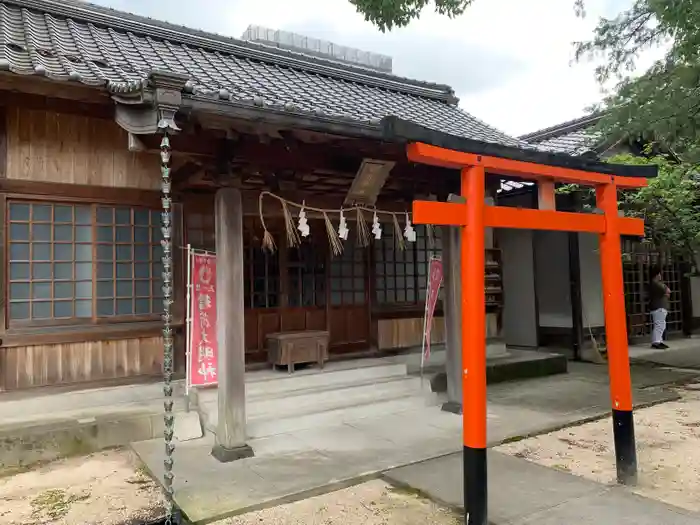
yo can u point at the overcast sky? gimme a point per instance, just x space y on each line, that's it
509 61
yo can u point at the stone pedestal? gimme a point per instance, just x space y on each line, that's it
496 348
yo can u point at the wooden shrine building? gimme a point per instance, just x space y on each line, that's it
85 94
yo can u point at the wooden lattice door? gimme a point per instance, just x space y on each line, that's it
638 262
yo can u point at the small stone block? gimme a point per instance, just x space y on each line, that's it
228 455
452 407
188 426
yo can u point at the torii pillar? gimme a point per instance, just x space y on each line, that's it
472 217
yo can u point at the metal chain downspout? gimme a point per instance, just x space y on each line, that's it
167 259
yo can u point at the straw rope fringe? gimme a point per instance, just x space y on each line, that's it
268 242
430 233
363 233
292 234
362 229
333 238
398 234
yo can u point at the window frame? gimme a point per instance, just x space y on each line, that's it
22 326
412 250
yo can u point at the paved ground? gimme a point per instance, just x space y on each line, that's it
296 465
521 492
683 353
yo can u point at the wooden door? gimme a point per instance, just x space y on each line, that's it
285 292
349 308
638 262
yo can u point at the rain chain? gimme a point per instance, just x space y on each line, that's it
169 418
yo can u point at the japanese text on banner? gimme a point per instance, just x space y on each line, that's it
203 354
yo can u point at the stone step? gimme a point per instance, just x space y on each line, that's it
264 427
327 398
281 384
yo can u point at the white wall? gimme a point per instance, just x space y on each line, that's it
539 262
519 306
591 280
695 295
552 279
519 309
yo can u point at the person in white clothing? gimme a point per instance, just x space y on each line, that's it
659 294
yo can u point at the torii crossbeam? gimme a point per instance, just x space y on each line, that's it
473 216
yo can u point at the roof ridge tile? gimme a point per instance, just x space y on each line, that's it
159 29
120 57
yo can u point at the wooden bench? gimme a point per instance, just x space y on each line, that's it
291 348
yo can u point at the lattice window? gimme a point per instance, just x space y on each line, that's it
262 280
348 276
261 269
402 276
129 269
199 231
306 270
65 266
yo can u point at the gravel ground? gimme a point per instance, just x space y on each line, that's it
668 450
107 488
110 488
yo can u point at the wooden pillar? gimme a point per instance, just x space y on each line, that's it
230 442
452 308
474 348
616 336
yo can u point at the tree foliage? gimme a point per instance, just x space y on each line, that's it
387 14
663 103
669 205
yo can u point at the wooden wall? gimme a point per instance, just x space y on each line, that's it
404 333
69 363
46 146
67 148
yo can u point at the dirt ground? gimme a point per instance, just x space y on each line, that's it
105 488
110 488
668 450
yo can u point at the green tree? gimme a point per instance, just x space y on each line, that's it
387 14
663 103
669 205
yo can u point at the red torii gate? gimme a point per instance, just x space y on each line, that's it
473 216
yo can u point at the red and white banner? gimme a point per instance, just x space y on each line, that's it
203 351
431 298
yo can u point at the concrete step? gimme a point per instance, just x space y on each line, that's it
315 400
264 427
280 384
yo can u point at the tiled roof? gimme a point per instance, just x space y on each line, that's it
574 137
72 41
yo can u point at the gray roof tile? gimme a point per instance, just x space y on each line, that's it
74 41
574 137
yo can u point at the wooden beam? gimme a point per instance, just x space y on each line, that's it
435 156
101 108
183 174
546 198
446 214
62 191
47 88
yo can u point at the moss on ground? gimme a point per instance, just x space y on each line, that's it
55 503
